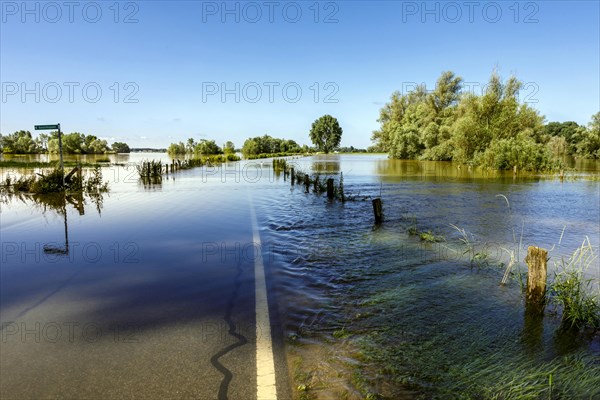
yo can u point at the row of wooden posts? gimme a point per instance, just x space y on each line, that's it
305 179
155 169
536 260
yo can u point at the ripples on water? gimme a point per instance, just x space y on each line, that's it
334 270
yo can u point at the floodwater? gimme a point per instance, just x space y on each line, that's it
151 270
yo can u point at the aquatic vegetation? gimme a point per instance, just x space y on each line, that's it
150 170
52 182
280 164
430 237
470 351
94 183
578 297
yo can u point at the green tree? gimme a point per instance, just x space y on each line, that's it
268 145
229 148
176 149
446 124
120 147
250 147
20 142
207 147
567 130
326 133
191 144
588 139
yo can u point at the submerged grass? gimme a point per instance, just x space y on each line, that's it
470 344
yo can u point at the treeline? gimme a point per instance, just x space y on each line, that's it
269 145
22 142
493 129
202 148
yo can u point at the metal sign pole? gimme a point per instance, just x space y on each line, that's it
62 166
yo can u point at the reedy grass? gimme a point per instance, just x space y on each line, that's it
578 297
52 182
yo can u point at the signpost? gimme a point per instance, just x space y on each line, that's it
55 127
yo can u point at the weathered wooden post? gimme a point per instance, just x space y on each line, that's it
536 260
79 172
330 189
307 182
292 175
378 210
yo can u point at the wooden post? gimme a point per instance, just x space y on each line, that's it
378 210
536 260
293 176
79 173
307 182
330 191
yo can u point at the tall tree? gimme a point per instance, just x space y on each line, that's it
229 147
326 133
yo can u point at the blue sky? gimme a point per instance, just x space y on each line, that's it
161 67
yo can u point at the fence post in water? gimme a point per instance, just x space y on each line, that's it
292 175
307 182
330 191
378 210
79 178
536 260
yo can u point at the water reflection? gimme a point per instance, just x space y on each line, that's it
57 203
397 170
327 164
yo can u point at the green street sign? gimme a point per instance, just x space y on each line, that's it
45 127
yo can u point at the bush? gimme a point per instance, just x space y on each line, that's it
50 183
521 151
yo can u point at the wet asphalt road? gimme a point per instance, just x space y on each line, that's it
177 322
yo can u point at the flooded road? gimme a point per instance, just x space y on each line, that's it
156 296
